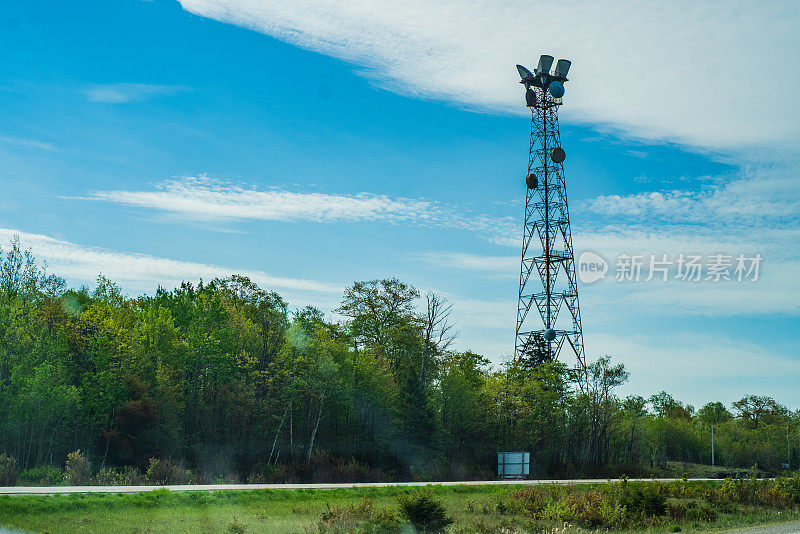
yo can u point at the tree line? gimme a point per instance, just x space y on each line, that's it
223 379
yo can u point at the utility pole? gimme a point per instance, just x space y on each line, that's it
712 444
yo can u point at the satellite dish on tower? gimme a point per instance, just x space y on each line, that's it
556 89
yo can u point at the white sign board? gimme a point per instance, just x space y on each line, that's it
513 464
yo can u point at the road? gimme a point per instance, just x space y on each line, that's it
780 528
52 490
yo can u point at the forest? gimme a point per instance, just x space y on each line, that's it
220 381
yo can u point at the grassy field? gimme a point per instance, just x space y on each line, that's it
621 507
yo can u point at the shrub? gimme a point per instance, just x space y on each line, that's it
166 472
532 500
107 477
590 509
792 485
644 499
78 470
702 513
9 471
616 505
423 511
781 493
690 511
362 518
44 475
234 527
777 494
131 476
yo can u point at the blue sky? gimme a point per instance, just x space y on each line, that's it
313 144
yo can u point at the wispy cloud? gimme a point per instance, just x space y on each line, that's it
210 200
123 93
493 266
755 195
141 271
201 198
682 70
32 143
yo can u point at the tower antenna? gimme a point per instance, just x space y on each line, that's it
547 282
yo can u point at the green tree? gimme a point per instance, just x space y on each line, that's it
602 379
759 409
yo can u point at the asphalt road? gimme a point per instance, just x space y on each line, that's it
51 490
780 528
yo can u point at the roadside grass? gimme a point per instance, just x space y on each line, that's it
620 506
162 511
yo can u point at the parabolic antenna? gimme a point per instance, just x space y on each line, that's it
549 334
532 181
556 89
524 73
558 155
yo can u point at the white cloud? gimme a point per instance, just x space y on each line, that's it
758 195
210 200
755 211
497 266
711 74
141 271
123 93
205 199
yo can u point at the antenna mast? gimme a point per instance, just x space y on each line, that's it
547 282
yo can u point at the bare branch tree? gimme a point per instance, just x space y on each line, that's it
439 333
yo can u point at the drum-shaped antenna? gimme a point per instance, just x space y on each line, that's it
562 67
545 62
530 98
532 181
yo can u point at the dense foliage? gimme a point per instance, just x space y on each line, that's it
220 380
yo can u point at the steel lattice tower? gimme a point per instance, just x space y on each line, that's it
547 281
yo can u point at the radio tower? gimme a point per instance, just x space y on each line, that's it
547 282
